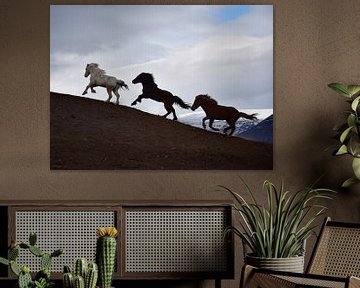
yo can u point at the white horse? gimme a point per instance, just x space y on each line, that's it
98 78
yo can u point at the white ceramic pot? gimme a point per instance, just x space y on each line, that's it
291 264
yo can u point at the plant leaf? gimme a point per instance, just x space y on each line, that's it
342 150
345 134
356 167
355 103
340 88
349 182
353 89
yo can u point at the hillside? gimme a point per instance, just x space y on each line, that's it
91 134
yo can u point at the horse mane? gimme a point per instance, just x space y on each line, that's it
208 98
149 77
97 70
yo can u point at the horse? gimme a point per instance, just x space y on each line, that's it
151 91
214 111
99 78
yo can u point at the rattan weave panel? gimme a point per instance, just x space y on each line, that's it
311 282
175 241
75 231
338 253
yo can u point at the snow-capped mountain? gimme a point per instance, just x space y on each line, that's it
242 125
262 132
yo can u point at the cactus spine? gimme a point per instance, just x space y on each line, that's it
106 254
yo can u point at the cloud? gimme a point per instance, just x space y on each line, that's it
190 49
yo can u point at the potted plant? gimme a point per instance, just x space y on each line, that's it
348 132
276 233
42 278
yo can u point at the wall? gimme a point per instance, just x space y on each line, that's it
316 42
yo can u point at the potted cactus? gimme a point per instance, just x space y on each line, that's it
42 278
84 275
106 254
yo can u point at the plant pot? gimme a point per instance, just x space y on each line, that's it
291 264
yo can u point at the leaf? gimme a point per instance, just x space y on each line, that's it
355 103
356 167
353 89
342 150
354 145
4 261
345 134
340 88
349 182
351 120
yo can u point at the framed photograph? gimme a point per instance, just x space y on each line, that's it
161 87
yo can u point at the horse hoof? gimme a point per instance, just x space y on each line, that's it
84 93
134 103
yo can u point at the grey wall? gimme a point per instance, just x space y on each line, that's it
316 42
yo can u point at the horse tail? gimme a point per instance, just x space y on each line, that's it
181 103
248 116
122 84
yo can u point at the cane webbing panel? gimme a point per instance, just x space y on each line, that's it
338 252
175 241
313 282
74 231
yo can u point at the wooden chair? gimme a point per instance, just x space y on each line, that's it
335 262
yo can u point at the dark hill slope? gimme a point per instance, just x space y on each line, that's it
90 134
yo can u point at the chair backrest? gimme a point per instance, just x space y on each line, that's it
337 251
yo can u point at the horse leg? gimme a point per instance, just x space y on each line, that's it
108 89
232 127
92 90
87 87
138 99
116 92
211 122
169 110
203 121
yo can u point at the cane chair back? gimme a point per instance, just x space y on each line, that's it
337 252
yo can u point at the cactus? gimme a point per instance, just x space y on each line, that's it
105 254
13 253
36 251
68 280
91 276
45 261
79 282
24 278
32 238
80 267
87 272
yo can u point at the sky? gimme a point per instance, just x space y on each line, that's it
225 51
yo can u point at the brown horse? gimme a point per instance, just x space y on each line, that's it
151 91
214 111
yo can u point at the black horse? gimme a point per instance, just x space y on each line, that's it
151 91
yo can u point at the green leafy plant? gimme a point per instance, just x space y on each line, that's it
42 278
279 229
348 133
